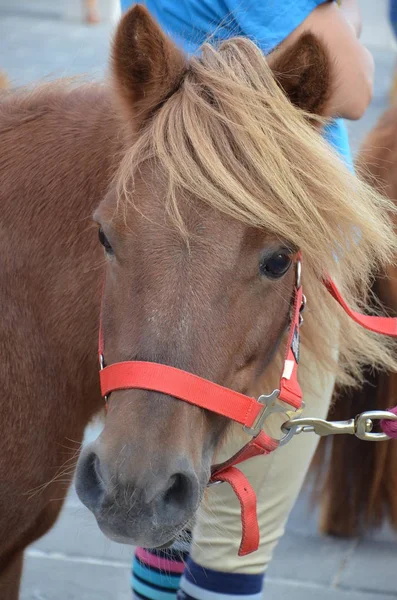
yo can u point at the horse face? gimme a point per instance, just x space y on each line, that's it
212 298
215 306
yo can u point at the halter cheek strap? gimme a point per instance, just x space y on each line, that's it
249 412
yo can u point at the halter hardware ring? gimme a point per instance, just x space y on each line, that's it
270 406
364 425
101 367
212 483
298 274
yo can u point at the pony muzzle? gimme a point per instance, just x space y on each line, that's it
141 505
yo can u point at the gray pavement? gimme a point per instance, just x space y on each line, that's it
74 561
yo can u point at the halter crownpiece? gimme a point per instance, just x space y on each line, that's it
247 411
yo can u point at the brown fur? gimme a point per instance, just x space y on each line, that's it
201 305
303 73
360 486
143 83
50 294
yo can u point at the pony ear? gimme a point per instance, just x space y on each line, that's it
147 67
303 72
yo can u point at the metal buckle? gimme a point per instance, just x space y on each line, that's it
270 406
101 367
212 483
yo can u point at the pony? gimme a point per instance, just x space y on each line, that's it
354 499
205 177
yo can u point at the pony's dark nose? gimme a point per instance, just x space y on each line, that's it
172 496
90 486
173 490
163 496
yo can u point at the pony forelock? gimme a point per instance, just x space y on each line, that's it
229 137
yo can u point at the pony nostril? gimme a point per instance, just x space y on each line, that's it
96 467
89 482
93 472
177 489
182 491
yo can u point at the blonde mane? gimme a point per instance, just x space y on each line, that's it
230 137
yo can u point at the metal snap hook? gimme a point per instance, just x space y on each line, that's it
364 425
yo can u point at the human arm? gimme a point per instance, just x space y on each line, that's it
352 13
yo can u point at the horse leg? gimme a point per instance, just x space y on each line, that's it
10 577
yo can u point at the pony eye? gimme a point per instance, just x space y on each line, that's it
104 241
276 265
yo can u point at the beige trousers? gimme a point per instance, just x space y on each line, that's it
277 480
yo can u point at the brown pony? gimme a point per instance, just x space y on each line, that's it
359 490
205 178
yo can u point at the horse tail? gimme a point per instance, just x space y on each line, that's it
359 487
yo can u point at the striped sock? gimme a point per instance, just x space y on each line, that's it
156 573
199 583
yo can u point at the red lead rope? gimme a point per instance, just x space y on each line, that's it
382 325
235 406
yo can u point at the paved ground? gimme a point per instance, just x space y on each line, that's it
75 562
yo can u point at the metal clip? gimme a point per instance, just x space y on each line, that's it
270 406
361 426
364 425
320 427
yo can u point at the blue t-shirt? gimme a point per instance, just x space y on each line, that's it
267 22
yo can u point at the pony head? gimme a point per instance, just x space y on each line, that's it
223 178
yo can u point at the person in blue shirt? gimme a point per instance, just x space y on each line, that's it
393 23
210 567
272 24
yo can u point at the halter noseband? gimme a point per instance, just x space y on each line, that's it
249 412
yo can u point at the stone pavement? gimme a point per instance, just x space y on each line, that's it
74 561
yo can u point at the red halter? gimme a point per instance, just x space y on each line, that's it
247 411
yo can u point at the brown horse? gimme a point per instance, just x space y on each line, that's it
360 486
205 178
